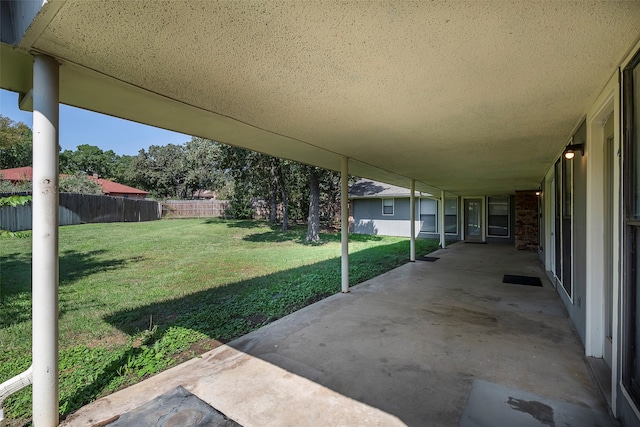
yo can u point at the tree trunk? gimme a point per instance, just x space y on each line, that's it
285 201
273 196
313 226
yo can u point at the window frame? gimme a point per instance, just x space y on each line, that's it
499 236
630 310
455 199
393 206
435 215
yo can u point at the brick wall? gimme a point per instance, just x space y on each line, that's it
527 233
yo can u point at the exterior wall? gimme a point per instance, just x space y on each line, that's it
368 219
587 305
579 234
575 304
526 231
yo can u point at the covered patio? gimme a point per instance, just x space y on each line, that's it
467 100
430 343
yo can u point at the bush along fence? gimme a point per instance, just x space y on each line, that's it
194 208
84 208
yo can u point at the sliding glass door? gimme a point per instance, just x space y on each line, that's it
631 278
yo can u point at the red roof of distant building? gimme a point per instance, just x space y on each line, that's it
18 174
108 187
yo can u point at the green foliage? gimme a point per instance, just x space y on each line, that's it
16 141
179 170
15 201
161 170
9 187
240 204
260 177
122 171
88 159
129 310
202 157
79 183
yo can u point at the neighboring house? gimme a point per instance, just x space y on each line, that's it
204 195
109 188
114 189
16 175
384 209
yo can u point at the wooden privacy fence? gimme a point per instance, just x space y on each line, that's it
84 208
194 208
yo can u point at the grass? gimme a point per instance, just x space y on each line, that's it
137 298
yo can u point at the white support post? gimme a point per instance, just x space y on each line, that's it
45 241
443 243
344 222
412 202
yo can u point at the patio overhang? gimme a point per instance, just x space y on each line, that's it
464 98
471 98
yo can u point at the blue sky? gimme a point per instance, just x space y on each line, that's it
84 127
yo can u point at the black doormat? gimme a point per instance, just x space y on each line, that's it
427 258
476 243
522 280
175 408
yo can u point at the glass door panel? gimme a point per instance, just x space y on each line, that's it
473 220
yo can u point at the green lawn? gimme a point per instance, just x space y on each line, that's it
136 298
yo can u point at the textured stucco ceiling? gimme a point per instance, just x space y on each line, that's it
470 97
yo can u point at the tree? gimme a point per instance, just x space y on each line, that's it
259 177
203 172
179 170
283 192
122 171
79 183
16 144
313 224
253 175
90 160
161 170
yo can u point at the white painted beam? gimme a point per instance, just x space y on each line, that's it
45 241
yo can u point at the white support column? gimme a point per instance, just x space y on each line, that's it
443 243
412 203
45 241
344 222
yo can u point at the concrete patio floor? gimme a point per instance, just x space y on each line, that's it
429 343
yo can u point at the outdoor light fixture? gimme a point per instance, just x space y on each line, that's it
570 150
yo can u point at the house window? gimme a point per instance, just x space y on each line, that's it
428 215
498 221
631 276
451 215
387 206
